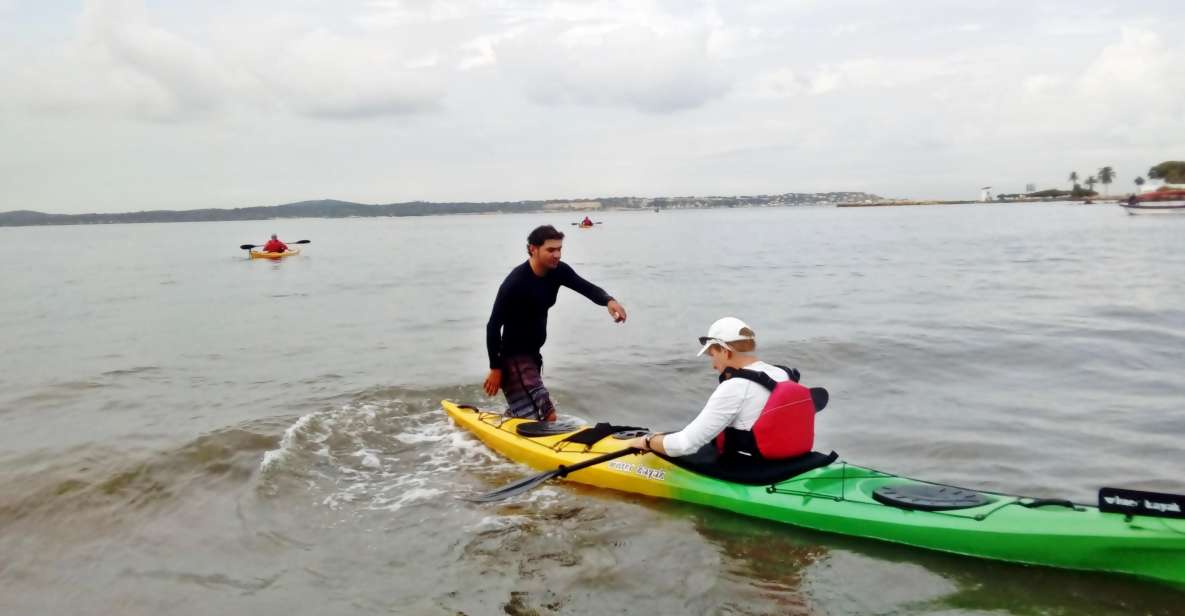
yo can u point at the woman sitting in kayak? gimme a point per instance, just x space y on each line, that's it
758 411
275 245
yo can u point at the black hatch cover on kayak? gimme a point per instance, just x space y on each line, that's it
929 497
563 425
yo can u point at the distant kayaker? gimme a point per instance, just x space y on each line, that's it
749 390
587 222
517 327
275 245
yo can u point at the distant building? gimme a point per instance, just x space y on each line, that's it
986 195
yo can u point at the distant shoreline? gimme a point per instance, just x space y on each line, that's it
1078 201
332 208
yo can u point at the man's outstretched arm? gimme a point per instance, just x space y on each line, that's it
596 294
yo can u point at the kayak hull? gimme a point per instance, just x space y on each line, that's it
274 256
838 498
1177 207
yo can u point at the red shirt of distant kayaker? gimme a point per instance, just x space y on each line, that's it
275 245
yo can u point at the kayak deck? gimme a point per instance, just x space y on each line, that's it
256 254
839 498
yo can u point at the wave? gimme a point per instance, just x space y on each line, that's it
106 485
383 450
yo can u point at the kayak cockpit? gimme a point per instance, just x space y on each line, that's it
764 473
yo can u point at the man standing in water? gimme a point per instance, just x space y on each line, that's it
517 327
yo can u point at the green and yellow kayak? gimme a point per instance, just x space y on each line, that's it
831 495
258 254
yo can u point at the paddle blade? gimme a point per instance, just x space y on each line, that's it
247 246
303 242
820 397
512 489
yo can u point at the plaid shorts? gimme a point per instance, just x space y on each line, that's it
522 382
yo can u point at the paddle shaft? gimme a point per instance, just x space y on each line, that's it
565 470
529 483
250 246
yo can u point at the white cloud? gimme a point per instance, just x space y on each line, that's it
394 13
824 81
743 97
1040 85
324 74
1130 89
121 60
1140 60
775 84
651 69
480 52
859 74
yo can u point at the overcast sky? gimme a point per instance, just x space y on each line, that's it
116 105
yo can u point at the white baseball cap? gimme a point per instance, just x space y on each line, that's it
723 331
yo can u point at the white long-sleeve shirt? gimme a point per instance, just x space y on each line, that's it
736 403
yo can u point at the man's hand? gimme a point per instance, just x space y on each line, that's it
616 311
493 381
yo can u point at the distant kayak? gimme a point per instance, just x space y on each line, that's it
275 256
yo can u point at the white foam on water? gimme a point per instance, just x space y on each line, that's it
414 495
383 456
289 442
492 523
369 459
412 438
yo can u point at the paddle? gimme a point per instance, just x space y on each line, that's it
250 246
524 485
580 224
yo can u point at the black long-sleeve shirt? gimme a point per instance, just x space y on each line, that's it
518 322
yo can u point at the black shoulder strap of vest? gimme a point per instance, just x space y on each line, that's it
756 376
794 374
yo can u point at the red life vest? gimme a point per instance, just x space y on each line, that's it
274 246
786 427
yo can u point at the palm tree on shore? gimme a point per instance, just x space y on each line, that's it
1090 182
1073 179
1106 176
1139 181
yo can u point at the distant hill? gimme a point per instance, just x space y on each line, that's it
332 208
